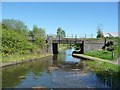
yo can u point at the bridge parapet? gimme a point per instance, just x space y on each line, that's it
77 40
67 40
94 41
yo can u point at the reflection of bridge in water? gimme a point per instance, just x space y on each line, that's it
87 44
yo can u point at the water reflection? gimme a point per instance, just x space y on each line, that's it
11 74
57 71
110 80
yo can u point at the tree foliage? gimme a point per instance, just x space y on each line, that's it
15 37
13 42
39 35
60 33
99 32
11 24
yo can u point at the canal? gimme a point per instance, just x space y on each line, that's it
58 71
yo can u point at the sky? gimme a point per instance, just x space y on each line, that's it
73 17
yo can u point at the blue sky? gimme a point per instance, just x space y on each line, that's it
74 18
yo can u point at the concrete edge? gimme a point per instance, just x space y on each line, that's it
93 58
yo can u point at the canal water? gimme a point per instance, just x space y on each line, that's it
58 71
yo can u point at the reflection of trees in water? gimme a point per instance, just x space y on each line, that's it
61 56
112 80
10 75
52 64
55 61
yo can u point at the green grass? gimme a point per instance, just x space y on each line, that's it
104 54
22 57
99 66
101 54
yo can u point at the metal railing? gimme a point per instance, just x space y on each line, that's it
58 37
78 36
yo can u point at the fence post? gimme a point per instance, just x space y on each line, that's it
112 54
75 38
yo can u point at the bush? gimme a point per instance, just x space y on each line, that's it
14 42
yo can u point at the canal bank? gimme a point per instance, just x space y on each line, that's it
12 60
24 59
99 65
94 58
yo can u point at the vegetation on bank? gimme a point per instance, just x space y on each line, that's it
107 73
101 54
105 54
23 57
99 66
16 39
20 43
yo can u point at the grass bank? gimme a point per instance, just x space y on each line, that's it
107 73
19 58
103 54
99 66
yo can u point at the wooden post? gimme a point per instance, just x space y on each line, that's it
112 54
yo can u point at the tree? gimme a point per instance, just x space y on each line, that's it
15 37
63 33
11 24
60 33
39 35
38 32
99 32
14 42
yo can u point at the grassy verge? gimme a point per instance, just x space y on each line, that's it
100 54
23 57
103 54
107 73
98 67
